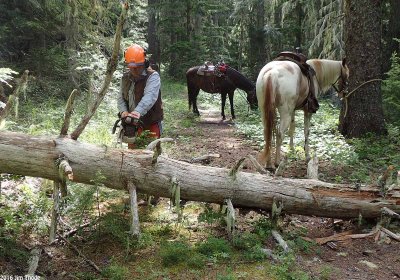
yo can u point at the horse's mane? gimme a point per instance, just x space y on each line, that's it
239 80
327 71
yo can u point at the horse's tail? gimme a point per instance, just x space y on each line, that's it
269 111
266 102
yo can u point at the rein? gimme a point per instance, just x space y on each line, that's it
242 95
334 83
345 97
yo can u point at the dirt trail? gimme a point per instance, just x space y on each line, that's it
212 135
352 259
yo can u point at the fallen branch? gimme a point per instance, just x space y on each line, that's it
91 263
387 211
342 236
34 260
111 67
281 241
281 167
391 234
205 158
73 231
257 165
312 168
269 254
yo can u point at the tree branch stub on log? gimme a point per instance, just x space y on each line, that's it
69 108
111 67
135 226
154 144
230 218
55 211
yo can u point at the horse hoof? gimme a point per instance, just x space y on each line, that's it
270 169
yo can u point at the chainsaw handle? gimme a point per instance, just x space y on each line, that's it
115 126
130 120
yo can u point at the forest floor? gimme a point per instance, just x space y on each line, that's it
365 258
373 257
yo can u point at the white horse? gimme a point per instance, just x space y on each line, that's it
282 86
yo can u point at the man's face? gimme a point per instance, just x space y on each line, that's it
136 71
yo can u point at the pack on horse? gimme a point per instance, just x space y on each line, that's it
218 79
292 83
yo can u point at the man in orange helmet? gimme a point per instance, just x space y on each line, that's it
140 95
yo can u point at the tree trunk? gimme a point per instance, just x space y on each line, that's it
117 168
152 38
70 31
257 39
363 32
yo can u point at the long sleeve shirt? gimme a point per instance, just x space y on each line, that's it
149 98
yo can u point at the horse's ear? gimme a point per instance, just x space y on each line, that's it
344 62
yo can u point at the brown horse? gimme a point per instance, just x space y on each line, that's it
224 82
282 87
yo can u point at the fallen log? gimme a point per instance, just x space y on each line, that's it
35 156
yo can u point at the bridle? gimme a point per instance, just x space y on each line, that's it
343 85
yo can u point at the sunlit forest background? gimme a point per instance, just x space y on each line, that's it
65 45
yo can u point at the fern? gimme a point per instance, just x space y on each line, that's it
6 75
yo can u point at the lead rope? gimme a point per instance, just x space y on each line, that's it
242 95
345 97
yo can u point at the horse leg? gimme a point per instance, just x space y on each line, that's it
264 157
280 134
291 132
223 100
195 94
231 103
307 120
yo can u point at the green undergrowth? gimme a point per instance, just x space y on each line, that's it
167 248
363 159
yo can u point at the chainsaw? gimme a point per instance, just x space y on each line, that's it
128 128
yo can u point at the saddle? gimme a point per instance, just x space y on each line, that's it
310 104
209 69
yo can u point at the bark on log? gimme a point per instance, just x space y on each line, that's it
34 156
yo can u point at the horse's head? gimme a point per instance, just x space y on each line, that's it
343 80
252 98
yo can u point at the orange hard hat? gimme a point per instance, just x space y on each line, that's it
135 56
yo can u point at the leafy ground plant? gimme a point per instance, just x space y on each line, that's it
202 242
